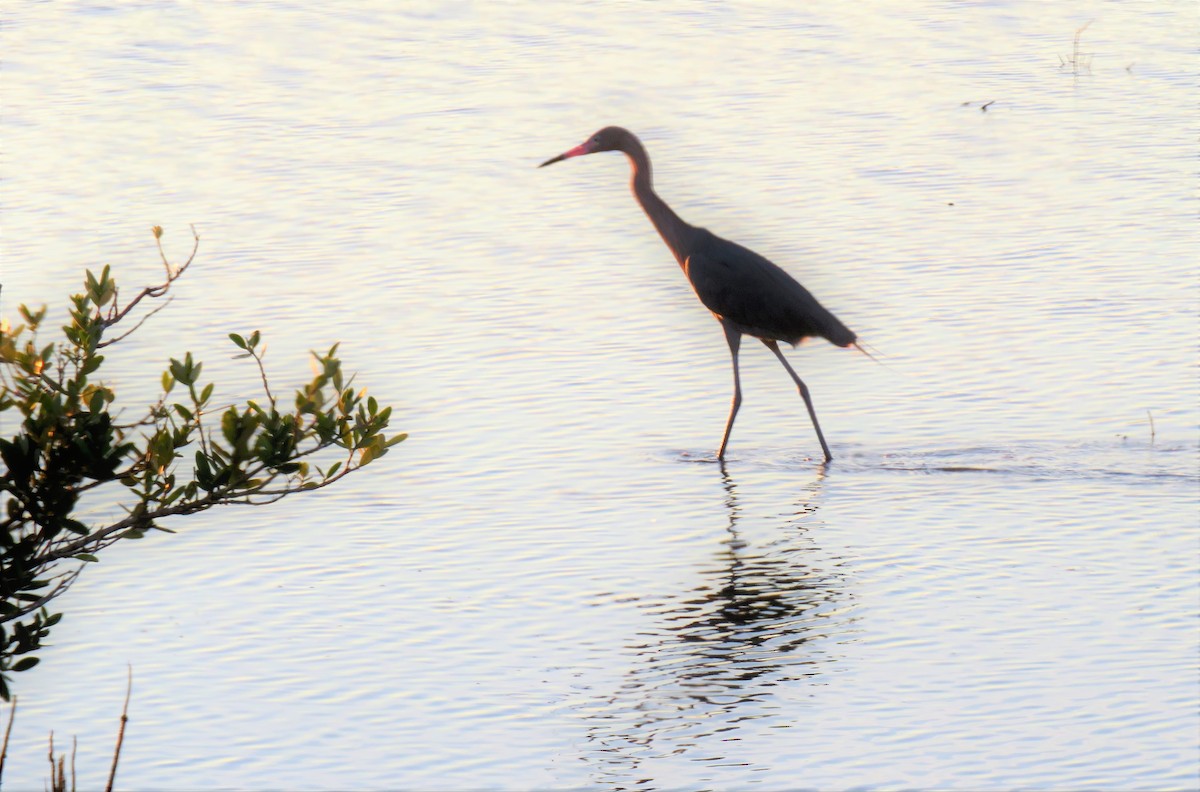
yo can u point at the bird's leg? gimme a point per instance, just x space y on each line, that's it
774 347
734 337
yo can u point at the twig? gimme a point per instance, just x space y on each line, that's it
112 774
79 545
115 315
74 746
51 755
263 372
1078 34
12 714
63 584
133 329
983 108
1076 61
1151 417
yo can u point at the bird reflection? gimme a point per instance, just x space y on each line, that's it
758 623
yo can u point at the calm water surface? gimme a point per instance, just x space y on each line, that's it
551 584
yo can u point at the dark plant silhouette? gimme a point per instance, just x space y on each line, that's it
70 440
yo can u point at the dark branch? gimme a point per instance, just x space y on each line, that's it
155 291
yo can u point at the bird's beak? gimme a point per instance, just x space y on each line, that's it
579 150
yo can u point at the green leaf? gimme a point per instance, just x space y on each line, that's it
254 338
204 476
237 339
168 382
25 664
30 317
184 412
91 364
229 426
206 393
333 469
86 557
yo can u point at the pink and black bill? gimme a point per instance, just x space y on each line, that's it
578 151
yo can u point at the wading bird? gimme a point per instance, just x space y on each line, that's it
746 293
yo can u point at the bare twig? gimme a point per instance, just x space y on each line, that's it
12 714
63 584
116 315
51 756
133 329
112 774
1078 34
262 371
1151 417
1077 59
983 108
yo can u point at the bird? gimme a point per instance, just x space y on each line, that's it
747 294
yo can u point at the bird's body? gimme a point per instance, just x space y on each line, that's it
747 293
761 299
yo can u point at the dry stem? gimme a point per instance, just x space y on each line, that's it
12 714
112 774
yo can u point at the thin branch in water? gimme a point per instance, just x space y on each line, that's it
112 774
1077 60
1078 34
51 756
12 714
1151 417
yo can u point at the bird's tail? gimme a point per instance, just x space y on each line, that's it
859 346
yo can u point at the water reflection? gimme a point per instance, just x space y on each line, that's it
763 614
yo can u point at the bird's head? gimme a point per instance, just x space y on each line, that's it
610 138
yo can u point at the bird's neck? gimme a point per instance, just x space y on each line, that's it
670 227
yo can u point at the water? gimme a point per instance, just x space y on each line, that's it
551 585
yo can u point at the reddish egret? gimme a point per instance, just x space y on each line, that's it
746 293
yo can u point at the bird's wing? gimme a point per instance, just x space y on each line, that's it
738 284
